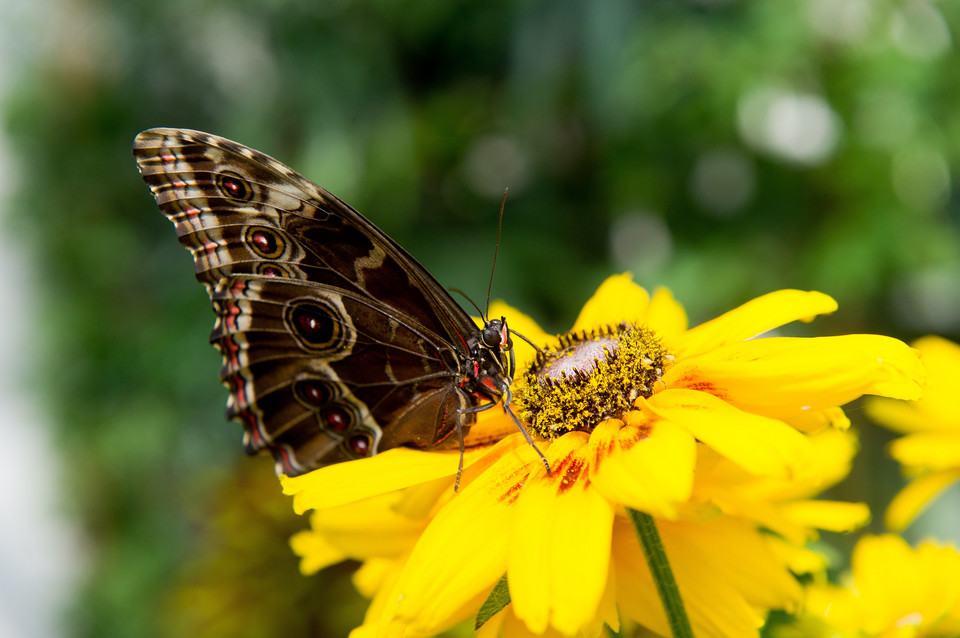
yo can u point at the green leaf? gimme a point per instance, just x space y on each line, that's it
497 600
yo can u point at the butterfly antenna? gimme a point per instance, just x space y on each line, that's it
482 314
532 344
496 251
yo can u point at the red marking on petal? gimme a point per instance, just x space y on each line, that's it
692 381
513 492
570 471
620 443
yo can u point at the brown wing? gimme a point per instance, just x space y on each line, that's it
336 342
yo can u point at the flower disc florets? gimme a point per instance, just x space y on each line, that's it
589 377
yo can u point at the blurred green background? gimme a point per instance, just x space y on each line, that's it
722 148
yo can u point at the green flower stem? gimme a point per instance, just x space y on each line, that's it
649 537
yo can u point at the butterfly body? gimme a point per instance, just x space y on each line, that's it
336 343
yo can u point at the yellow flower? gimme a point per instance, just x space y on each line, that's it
893 591
710 398
929 451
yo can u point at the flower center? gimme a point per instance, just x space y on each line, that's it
589 377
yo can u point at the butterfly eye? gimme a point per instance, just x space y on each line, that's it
264 242
492 334
234 187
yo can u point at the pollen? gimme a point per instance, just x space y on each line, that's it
588 377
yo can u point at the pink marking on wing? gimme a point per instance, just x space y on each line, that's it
230 313
230 351
238 387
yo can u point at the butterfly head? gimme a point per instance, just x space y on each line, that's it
495 339
489 367
495 334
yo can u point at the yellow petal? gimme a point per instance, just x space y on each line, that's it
800 560
725 570
834 516
368 528
351 481
558 559
618 299
463 551
928 450
747 565
315 551
513 627
666 317
899 416
807 419
374 579
607 613
374 574
756 443
651 473
816 373
884 570
916 496
942 360
753 318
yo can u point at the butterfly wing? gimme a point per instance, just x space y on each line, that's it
336 342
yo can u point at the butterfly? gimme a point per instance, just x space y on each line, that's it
336 343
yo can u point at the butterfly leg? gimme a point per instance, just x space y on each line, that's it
507 398
456 484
